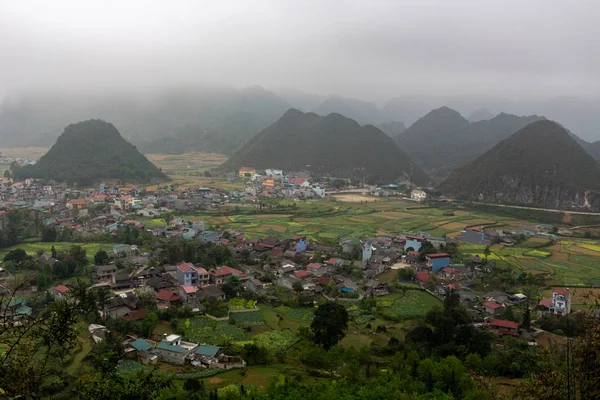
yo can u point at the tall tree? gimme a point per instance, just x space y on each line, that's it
329 324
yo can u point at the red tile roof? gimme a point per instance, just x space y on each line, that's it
201 271
413 253
333 261
492 305
314 265
189 289
225 270
501 323
545 303
437 255
422 277
301 274
185 267
561 291
415 237
449 270
167 295
61 289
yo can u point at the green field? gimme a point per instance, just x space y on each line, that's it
33 247
413 304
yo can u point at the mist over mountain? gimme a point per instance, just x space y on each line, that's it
480 114
540 165
332 145
359 110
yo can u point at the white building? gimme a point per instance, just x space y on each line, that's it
418 195
561 301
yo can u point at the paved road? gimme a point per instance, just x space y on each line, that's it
538 209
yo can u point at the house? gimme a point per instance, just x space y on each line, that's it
254 285
219 275
422 278
210 357
197 224
203 276
437 261
167 297
473 236
302 274
448 272
105 274
174 350
208 237
246 172
187 274
211 291
77 204
122 281
367 250
143 350
124 250
418 195
503 327
98 332
413 242
188 294
59 292
299 243
493 308
561 301
334 262
413 257
13 309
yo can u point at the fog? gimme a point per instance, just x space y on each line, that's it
366 49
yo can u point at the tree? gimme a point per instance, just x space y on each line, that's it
486 253
148 324
49 234
232 286
509 314
297 287
329 324
101 257
526 324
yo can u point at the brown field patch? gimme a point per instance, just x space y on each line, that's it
215 381
381 232
454 226
585 295
440 223
221 220
581 250
267 216
355 198
453 234
477 222
461 212
547 339
277 228
496 246
567 218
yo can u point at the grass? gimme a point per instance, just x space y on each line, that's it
252 318
86 348
415 304
33 247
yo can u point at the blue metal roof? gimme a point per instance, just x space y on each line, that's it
169 347
207 350
141 345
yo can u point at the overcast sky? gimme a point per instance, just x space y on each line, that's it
370 49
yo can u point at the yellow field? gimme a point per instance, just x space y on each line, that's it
354 198
592 247
24 152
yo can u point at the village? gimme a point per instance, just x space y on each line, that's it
348 271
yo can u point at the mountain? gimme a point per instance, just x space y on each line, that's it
333 145
480 114
392 128
541 165
443 139
90 151
358 110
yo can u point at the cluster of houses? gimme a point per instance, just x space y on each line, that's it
273 183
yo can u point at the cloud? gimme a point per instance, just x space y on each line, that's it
372 49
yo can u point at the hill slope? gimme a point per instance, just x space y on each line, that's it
540 165
330 145
443 140
90 151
